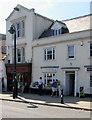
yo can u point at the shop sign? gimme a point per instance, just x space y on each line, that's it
89 69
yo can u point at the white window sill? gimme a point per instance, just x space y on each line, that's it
49 60
71 59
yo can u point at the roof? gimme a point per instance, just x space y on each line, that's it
79 23
20 6
77 17
50 32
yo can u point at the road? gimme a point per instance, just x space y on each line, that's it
24 110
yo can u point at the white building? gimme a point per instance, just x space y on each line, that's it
66 57
29 26
51 49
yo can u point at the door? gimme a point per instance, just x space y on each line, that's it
9 81
70 81
71 84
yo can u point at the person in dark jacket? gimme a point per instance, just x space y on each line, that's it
40 86
54 87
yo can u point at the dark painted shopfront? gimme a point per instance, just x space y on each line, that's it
23 73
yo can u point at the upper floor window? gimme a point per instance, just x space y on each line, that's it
71 51
3 49
90 49
20 30
20 55
57 32
49 54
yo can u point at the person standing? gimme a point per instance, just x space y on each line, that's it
40 86
54 87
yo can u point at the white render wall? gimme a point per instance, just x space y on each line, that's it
40 25
16 16
34 26
81 59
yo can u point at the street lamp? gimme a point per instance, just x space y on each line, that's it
12 30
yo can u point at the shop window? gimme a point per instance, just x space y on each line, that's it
49 78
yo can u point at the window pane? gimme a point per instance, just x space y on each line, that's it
49 54
53 53
91 49
18 30
45 54
90 80
49 78
18 55
23 54
71 51
23 29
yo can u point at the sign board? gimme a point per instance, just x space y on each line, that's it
89 69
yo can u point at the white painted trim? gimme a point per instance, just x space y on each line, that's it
75 81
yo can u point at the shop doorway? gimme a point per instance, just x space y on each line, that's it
70 83
9 81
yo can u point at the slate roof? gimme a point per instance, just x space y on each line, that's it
50 32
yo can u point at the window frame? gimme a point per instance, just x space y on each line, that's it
20 29
68 56
22 55
90 81
57 32
52 54
90 50
51 76
3 49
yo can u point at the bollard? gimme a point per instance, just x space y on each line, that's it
62 101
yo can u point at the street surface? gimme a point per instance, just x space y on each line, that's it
24 110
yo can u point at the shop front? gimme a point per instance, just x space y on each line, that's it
23 73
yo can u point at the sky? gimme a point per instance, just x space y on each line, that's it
53 9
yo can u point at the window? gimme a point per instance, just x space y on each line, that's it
20 31
90 49
23 29
20 55
49 54
57 32
3 49
90 80
49 78
71 51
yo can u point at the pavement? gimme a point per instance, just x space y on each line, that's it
69 102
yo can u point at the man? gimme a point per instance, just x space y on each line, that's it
54 87
40 85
